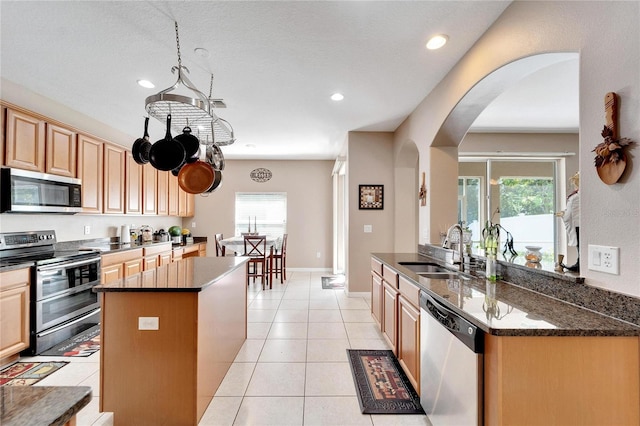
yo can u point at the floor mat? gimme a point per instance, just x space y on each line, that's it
28 373
382 386
336 281
83 344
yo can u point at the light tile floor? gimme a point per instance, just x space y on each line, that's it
293 368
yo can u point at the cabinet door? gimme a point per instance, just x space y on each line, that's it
111 273
150 262
164 258
25 141
61 146
90 154
376 298
182 202
390 315
409 340
191 205
163 193
14 312
113 179
174 195
132 267
149 278
149 189
133 179
202 250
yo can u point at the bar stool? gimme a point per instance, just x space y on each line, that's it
255 247
280 260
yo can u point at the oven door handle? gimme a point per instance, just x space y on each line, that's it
69 265
66 324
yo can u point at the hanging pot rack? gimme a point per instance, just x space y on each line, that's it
190 111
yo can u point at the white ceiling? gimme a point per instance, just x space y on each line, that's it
275 64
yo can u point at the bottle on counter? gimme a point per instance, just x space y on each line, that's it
491 270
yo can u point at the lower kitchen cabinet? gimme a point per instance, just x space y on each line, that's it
562 380
14 312
409 340
390 315
376 298
115 266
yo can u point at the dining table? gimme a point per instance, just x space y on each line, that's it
236 244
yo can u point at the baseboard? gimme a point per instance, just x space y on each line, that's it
323 270
364 294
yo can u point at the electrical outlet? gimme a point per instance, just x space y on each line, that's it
368 228
193 224
318 255
148 323
87 229
604 259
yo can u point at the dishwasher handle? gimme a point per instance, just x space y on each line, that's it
465 331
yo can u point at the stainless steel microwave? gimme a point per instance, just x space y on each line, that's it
24 191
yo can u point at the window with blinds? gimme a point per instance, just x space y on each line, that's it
264 212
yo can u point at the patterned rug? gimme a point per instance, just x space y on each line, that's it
28 373
382 386
83 344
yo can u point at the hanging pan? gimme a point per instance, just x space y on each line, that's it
196 177
141 146
166 154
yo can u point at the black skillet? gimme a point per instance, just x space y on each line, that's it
167 154
190 143
141 146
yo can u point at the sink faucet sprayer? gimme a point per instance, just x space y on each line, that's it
447 244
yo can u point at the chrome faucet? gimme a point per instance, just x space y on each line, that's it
447 244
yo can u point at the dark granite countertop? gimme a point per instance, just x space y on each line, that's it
200 272
41 405
505 309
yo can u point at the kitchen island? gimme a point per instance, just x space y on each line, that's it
168 339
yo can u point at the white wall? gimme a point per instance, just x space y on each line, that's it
607 37
308 185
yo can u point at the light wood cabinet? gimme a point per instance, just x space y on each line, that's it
409 340
156 255
186 203
561 380
163 193
133 179
119 265
390 315
25 141
90 170
114 179
376 298
202 250
174 195
3 120
14 312
61 147
191 251
149 190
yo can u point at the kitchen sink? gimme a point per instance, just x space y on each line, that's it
442 275
423 267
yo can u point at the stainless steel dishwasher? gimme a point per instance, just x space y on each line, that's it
451 364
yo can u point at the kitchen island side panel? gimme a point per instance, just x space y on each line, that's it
148 377
222 330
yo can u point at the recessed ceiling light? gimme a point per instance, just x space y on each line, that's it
201 52
437 41
146 84
337 97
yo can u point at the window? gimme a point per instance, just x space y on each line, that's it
469 208
264 211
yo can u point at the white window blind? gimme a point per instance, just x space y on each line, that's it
266 211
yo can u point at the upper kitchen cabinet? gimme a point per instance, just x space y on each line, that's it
186 203
90 170
31 143
60 158
113 179
24 141
163 193
150 187
174 190
133 179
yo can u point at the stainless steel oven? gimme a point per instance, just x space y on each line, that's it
62 301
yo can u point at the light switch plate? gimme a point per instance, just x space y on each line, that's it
148 323
368 228
604 259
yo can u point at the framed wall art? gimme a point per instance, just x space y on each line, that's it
371 197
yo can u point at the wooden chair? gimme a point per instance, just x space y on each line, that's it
279 259
220 249
255 247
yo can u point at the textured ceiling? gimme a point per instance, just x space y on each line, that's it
275 64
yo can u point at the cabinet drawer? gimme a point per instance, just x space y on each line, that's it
409 290
156 249
376 266
15 278
120 257
390 276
